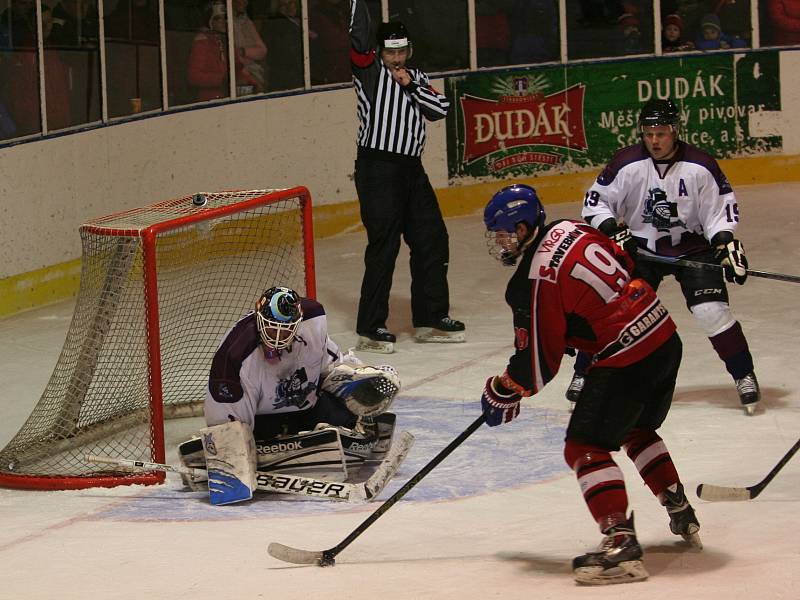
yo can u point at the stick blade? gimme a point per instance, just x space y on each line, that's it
294 555
720 493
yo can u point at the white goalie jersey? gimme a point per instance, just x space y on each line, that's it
673 208
243 383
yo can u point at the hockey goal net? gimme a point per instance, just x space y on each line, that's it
160 286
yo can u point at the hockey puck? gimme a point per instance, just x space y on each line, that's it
199 199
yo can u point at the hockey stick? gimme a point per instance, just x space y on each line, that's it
681 262
285 483
721 493
327 558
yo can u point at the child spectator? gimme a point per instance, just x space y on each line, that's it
672 39
712 38
631 42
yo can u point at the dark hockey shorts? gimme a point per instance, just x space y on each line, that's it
328 409
698 285
615 401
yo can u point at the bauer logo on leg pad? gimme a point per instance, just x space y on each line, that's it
309 487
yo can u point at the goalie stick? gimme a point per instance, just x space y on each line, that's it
327 558
286 483
681 262
721 493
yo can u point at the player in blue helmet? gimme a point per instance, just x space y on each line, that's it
573 287
514 204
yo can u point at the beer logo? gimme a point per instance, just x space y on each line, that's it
522 115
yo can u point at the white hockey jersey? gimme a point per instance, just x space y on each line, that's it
243 383
672 214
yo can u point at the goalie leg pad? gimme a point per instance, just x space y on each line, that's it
191 455
315 453
230 454
366 391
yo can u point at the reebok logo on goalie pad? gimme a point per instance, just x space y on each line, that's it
358 447
279 447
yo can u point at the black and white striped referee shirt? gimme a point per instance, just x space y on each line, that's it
391 117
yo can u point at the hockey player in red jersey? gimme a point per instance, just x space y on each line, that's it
573 289
665 197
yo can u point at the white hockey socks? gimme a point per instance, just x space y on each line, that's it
231 462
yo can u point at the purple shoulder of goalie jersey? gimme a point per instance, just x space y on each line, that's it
224 382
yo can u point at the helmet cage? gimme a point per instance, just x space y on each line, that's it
278 315
512 205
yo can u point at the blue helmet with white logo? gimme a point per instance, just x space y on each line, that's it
278 314
513 204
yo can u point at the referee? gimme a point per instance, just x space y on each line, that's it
395 196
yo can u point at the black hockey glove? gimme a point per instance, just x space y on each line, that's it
499 406
734 262
622 237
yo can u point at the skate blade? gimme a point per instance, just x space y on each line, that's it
750 409
571 406
625 572
431 335
368 345
693 540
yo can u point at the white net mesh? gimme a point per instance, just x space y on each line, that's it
210 262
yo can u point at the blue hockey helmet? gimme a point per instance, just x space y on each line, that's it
513 204
278 314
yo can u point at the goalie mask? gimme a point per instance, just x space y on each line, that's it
278 314
510 206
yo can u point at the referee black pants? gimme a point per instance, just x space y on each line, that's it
396 200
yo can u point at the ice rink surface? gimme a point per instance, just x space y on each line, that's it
502 517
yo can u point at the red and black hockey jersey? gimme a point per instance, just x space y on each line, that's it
573 289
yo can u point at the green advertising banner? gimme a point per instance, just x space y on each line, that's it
570 118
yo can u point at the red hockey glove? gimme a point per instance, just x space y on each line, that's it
499 407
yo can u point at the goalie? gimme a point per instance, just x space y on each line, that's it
282 397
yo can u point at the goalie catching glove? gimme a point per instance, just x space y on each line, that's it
500 405
366 391
734 262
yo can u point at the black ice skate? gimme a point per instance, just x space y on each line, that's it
574 389
617 560
749 392
682 520
379 340
443 331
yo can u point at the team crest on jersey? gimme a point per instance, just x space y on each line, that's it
294 390
659 211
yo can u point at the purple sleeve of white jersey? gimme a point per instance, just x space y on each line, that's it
604 198
601 201
717 206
